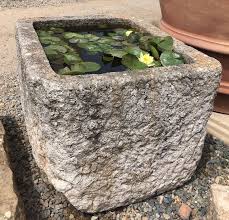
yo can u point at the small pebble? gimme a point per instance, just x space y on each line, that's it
8 214
185 211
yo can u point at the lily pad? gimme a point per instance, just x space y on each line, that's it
58 48
116 52
105 41
57 30
155 40
118 38
166 44
51 54
134 50
74 40
69 35
169 58
43 34
49 40
85 67
71 58
120 31
132 62
64 71
133 37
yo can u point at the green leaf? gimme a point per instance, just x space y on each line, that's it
154 52
42 33
166 44
64 71
155 40
69 35
117 44
105 40
91 37
83 41
93 48
52 54
132 62
108 58
157 63
73 40
169 58
133 37
85 67
49 40
116 52
57 30
135 50
120 31
71 58
118 38
82 45
58 48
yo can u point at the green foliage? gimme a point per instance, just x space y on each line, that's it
169 58
133 63
133 49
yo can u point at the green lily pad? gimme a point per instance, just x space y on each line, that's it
155 40
166 44
58 48
117 44
116 52
57 30
169 58
118 38
132 62
49 40
69 35
64 71
51 54
85 67
120 31
105 40
134 50
154 52
71 58
81 40
42 33
93 48
91 37
73 40
133 37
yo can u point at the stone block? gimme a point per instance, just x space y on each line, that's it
113 139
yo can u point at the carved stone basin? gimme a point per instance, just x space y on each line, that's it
113 139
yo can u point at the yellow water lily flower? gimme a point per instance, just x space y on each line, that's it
128 33
146 59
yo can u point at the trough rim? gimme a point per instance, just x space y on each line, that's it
33 57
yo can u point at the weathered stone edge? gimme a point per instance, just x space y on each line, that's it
30 49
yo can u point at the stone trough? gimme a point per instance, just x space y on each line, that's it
113 139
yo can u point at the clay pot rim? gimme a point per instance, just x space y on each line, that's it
197 40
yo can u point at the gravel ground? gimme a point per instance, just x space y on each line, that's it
40 199
32 3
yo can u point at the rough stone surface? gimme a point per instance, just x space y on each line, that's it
104 140
219 207
33 3
8 198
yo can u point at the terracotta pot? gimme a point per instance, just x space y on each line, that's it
203 24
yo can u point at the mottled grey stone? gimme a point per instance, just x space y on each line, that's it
112 139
